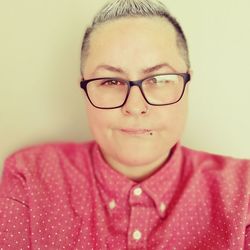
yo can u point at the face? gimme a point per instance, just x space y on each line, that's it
138 133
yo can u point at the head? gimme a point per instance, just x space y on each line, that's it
133 40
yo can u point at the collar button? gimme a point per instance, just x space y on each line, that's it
137 191
163 207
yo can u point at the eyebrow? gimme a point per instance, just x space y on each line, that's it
144 71
157 67
109 68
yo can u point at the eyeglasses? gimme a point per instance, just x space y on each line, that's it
157 90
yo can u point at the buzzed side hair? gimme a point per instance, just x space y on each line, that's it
117 9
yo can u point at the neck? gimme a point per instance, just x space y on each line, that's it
137 173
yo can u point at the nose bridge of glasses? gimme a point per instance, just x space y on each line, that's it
132 98
138 84
135 83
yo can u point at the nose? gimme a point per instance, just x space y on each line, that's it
135 104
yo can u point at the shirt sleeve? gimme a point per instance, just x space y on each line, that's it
14 208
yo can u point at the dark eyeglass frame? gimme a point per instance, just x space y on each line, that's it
83 84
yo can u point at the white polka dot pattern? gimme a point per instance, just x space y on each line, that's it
65 196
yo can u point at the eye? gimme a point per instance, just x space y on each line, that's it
162 80
152 80
112 82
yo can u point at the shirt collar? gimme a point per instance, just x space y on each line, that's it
116 185
160 186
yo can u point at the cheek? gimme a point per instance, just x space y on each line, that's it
100 121
173 118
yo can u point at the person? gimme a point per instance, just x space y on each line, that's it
134 186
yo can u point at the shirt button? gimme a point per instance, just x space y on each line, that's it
163 207
112 204
137 191
137 235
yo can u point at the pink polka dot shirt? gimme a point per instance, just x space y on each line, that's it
65 196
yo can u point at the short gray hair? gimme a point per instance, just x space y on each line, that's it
117 9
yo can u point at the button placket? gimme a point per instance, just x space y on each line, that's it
138 227
138 222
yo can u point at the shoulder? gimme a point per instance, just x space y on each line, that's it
42 156
221 175
48 172
212 160
221 168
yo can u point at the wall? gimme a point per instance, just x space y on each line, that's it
40 99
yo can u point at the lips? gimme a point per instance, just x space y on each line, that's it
133 131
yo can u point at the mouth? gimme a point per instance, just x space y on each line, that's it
136 132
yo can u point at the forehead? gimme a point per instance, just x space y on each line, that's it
139 41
